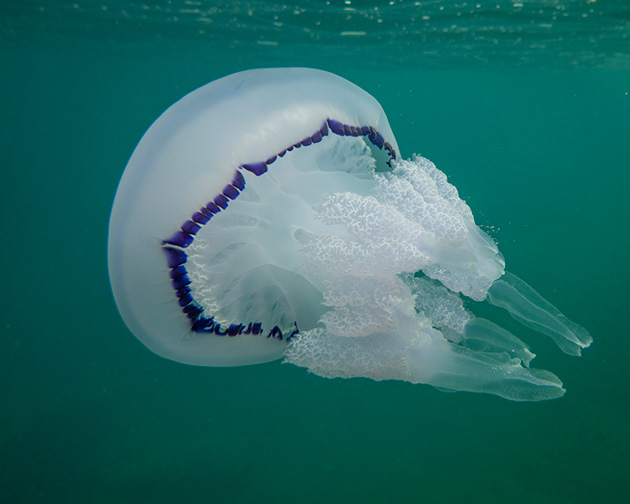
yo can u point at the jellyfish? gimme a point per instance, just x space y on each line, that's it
270 215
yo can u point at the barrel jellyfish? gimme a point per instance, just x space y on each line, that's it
270 215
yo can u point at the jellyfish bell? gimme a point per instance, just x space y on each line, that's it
190 243
269 215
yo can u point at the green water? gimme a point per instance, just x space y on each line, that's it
534 134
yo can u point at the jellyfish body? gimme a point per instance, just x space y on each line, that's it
268 215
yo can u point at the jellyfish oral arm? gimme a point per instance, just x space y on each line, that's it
532 310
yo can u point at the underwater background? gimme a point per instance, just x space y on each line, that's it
524 105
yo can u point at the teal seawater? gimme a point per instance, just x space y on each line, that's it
537 147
